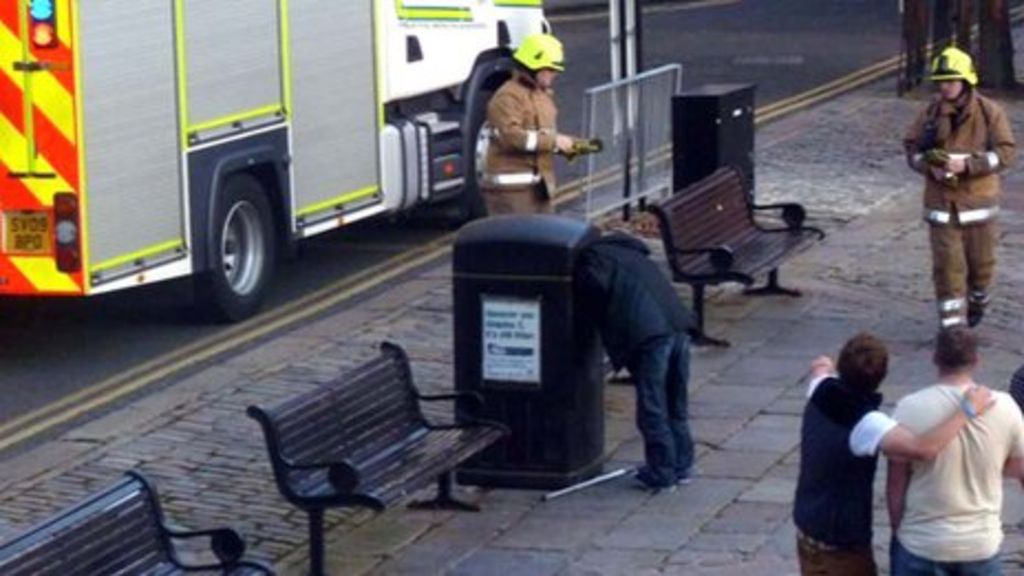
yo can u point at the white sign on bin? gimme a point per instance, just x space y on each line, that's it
511 339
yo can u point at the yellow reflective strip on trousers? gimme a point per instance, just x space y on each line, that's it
48 95
43 274
11 141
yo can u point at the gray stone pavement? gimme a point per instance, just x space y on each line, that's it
842 159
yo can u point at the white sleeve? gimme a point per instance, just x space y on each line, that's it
868 433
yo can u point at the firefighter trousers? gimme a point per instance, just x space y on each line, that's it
963 266
519 200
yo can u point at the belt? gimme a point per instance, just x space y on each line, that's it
519 179
815 544
965 217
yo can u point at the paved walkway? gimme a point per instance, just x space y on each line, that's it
842 159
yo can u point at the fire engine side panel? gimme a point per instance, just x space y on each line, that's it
334 99
232 60
130 130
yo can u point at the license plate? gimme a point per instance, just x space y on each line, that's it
27 233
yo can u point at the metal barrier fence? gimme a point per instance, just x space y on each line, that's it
633 117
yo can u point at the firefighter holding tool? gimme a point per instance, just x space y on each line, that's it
960 143
519 175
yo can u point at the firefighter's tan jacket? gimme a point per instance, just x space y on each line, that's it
980 130
522 118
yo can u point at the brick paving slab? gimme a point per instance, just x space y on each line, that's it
767 433
735 464
565 533
617 562
649 531
512 563
771 490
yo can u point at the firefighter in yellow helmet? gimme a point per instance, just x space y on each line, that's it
518 175
959 143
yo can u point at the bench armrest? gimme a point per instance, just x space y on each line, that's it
793 214
225 543
463 394
469 422
463 419
341 473
721 257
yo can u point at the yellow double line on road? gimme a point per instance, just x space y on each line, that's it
825 91
308 307
112 389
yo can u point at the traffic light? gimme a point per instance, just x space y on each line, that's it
43 15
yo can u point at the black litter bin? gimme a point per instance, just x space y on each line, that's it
521 344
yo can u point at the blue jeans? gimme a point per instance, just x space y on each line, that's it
906 563
661 372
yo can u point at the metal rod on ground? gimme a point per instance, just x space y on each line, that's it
588 483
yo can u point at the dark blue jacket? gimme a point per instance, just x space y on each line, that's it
833 495
627 296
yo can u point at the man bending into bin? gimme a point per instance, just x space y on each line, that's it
644 327
841 435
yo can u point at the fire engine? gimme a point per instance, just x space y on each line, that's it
146 140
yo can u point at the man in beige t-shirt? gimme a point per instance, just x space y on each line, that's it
945 513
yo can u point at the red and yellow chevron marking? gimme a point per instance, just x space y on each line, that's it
39 134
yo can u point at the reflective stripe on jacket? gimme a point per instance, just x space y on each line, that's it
522 118
980 130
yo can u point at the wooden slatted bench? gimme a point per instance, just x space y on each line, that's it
362 440
711 237
119 530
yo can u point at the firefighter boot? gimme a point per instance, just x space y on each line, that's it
976 307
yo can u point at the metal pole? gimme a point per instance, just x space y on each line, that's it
615 37
627 46
638 34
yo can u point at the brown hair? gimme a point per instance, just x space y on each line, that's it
956 349
863 362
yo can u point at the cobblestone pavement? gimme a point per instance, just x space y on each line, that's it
842 159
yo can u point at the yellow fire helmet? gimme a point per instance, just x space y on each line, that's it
540 51
954 64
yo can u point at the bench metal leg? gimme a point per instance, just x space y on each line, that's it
316 543
702 338
444 499
772 288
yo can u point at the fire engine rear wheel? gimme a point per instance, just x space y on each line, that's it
475 147
243 252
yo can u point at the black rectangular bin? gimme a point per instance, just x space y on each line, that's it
713 127
520 343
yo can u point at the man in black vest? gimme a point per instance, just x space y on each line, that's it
644 327
842 433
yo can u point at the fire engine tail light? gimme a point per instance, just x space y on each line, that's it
65 219
44 23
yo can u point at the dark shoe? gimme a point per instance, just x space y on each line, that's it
686 477
649 481
976 308
974 315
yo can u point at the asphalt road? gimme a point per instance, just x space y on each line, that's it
50 348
